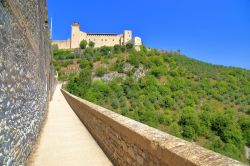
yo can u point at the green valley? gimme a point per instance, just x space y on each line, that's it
200 102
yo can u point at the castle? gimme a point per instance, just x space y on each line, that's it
100 39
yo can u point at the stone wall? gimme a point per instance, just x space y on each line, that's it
26 78
62 44
105 40
127 142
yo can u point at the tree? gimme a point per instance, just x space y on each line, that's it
84 63
226 127
117 49
190 122
83 44
105 50
158 71
119 66
245 127
91 44
187 98
123 48
129 46
189 132
72 86
84 81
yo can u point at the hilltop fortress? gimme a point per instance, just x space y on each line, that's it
100 39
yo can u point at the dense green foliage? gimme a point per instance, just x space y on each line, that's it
200 102
62 59
83 44
91 44
101 71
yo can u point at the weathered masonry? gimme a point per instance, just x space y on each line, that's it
26 77
127 142
100 39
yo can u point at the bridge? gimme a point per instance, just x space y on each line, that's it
77 132
64 140
40 124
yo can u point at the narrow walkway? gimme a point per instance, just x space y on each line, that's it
64 140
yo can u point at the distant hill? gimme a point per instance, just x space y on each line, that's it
193 100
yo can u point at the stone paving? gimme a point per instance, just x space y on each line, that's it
64 140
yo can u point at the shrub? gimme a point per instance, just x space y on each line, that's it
85 63
83 44
101 71
62 54
123 48
117 49
157 60
245 127
133 60
190 118
165 119
91 44
129 46
105 50
55 47
175 129
84 81
114 103
96 56
166 102
72 85
225 126
119 66
188 132
158 71
102 88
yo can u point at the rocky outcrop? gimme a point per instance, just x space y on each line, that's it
26 77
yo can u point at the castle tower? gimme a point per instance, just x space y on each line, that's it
127 35
75 35
137 43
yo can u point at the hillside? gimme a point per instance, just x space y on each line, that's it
193 100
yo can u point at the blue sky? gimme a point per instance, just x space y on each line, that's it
214 31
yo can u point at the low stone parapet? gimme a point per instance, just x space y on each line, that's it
128 142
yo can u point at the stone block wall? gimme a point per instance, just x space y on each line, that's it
26 77
62 44
127 142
